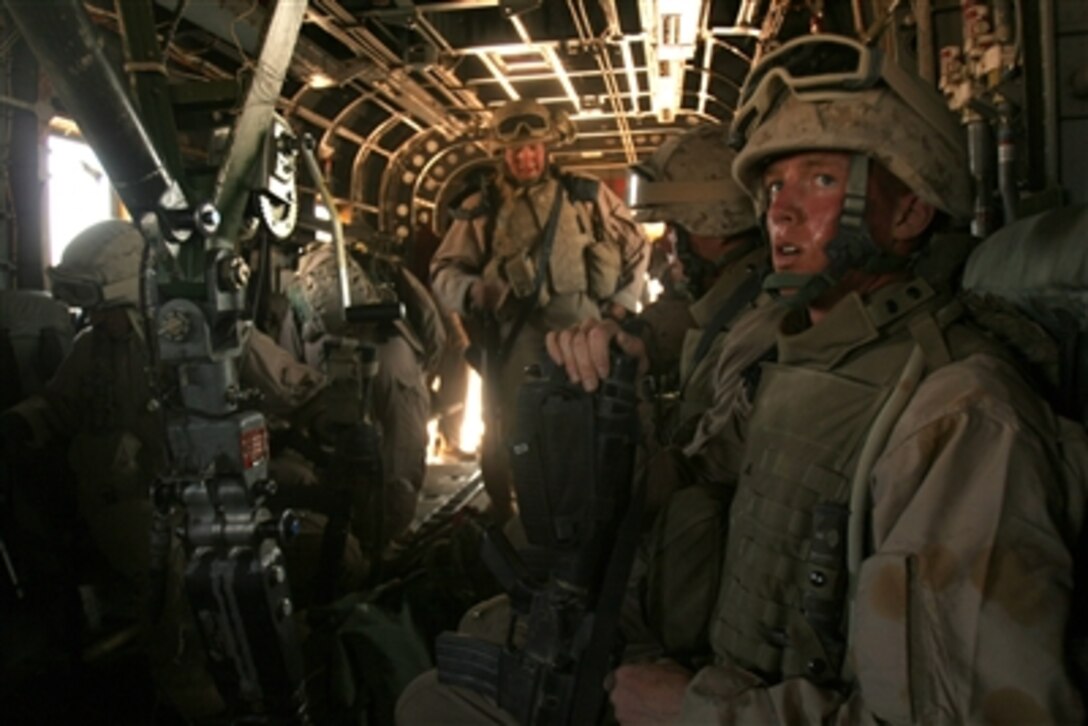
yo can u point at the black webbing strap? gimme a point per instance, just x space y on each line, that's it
745 293
597 658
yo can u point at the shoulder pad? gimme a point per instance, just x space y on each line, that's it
581 188
479 206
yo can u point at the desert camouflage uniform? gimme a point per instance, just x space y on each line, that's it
964 595
584 274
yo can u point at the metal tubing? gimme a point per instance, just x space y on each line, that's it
927 55
1048 60
66 45
981 159
1006 167
337 228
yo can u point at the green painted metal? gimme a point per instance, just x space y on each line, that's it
147 77
233 182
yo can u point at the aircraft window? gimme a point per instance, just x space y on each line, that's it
79 192
321 212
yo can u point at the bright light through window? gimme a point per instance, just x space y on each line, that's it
322 212
78 192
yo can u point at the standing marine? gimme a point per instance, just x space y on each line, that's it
536 249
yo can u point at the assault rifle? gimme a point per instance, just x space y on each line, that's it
573 458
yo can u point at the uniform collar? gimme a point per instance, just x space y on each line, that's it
852 324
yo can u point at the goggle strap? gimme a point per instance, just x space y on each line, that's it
852 215
680 192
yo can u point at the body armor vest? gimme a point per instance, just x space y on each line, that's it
519 226
781 602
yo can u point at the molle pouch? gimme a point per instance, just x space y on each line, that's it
603 266
682 581
520 272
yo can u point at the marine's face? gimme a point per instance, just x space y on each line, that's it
525 163
804 194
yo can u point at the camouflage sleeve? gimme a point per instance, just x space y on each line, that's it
459 259
634 248
961 610
285 383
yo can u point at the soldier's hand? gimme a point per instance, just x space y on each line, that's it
648 693
583 350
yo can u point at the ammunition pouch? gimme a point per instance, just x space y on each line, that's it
520 272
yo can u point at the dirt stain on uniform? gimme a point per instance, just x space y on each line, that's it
888 595
1012 706
1005 578
933 438
937 567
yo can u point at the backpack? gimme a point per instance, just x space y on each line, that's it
1038 267
36 334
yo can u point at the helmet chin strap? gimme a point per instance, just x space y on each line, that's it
852 248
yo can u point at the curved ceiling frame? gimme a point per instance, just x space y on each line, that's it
362 156
421 180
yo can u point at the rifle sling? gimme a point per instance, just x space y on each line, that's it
543 255
596 662
745 293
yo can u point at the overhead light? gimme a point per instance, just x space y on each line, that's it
671 31
677 28
320 80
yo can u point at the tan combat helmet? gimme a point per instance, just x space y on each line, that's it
832 93
688 181
525 121
100 267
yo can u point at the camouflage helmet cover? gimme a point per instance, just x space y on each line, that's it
100 267
878 109
688 181
314 293
525 121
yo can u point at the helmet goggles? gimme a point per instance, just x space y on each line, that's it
77 294
825 68
524 126
82 292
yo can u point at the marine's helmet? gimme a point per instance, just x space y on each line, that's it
688 181
314 293
100 267
526 121
833 93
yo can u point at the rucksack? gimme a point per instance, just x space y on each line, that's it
1038 266
36 334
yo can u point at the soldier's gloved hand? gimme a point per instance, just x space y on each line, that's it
583 350
613 310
